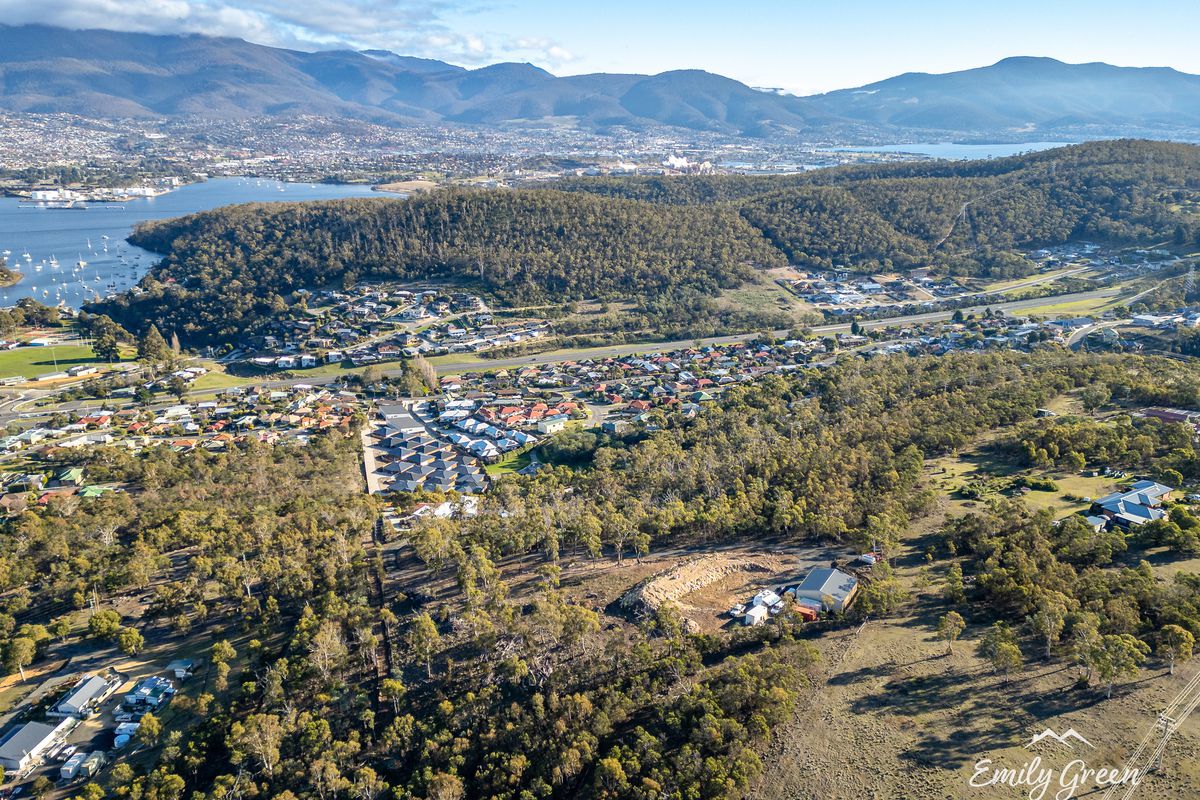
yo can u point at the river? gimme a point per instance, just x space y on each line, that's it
97 236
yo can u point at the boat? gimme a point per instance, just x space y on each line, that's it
26 256
54 261
81 263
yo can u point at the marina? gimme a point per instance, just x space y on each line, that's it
73 258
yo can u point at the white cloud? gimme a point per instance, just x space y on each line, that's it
408 27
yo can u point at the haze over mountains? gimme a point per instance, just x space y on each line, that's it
109 74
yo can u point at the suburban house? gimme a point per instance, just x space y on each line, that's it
553 424
1142 503
832 588
398 419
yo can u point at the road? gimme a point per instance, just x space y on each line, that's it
11 409
1078 335
609 351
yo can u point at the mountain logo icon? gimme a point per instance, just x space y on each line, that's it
1066 737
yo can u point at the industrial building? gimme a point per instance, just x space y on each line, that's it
22 745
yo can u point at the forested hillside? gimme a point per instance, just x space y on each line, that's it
952 215
649 238
268 554
229 267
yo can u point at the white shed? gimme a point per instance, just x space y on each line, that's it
766 597
755 615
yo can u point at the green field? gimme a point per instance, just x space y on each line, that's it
218 378
461 358
514 465
948 473
1073 308
766 296
1044 277
30 362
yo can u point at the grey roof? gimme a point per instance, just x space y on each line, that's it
85 692
19 742
1151 489
832 582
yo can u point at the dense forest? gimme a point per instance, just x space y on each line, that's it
235 265
952 215
650 239
501 684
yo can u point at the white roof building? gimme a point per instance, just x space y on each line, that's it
755 615
89 690
766 598
24 744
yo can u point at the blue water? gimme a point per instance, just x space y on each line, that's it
958 152
65 234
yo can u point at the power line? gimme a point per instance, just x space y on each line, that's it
1148 755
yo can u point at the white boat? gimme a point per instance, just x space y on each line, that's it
54 261
26 256
81 263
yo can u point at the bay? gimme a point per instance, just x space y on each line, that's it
97 235
958 151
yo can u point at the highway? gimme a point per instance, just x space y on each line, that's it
610 351
16 407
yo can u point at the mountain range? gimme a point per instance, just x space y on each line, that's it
110 74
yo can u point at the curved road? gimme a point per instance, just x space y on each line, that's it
606 351
10 407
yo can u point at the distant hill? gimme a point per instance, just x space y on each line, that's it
1025 94
109 74
668 243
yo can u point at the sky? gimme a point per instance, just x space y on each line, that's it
801 46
